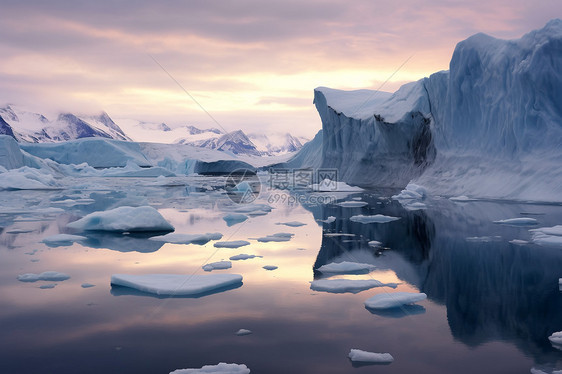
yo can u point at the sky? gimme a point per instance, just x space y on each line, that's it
250 64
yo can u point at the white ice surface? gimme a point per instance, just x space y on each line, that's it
393 300
176 284
52 276
122 219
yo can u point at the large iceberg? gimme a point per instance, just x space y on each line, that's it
489 127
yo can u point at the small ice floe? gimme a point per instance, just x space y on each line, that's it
242 256
518 242
291 223
221 368
48 286
87 285
51 276
375 243
234 218
62 239
199 239
219 265
548 236
278 237
347 285
231 244
270 267
483 239
19 231
336 234
521 221
357 355
377 218
352 204
461 198
394 300
123 219
414 205
176 284
328 185
346 267
545 371
411 192
330 219
243 332
254 209
556 338
26 178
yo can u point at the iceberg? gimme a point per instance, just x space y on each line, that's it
51 276
176 284
347 285
357 355
221 368
123 219
377 218
393 300
346 267
219 265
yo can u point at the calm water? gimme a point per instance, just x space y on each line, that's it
490 309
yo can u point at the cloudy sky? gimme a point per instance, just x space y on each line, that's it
252 64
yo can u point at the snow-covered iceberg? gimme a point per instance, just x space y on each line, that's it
123 219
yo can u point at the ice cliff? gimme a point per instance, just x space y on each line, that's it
491 126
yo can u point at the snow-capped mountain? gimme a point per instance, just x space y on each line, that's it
276 144
36 128
235 142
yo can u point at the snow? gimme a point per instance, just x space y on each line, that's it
278 237
243 332
378 218
52 276
63 239
352 204
547 236
221 368
393 300
176 284
270 267
219 265
330 219
123 219
242 256
518 221
347 285
357 355
231 244
292 224
345 267
234 218
177 238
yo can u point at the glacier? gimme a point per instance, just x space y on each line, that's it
489 127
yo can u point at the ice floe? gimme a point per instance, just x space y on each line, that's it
242 256
51 276
521 221
357 355
278 237
347 285
221 368
87 285
483 239
48 286
411 192
26 178
231 244
352 204
270 267
243 332
330 219
547 236
518 242
346 267
556 338
177 238
219 265
374 243
234 218
291 223
176 284
123 219
377 218
328 185
394 300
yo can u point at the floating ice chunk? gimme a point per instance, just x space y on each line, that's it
234 218
219 265
176 238
328 185
545 371
357 355
411 192
393 300
242 256
483 239
330 219
19 231
48 286
232 244
87 285
374 243
176 284
51 276
336 234
122 219
346 267
278 237
270 267
62 239
461 198
522 221
26 178
518 242
547 236
556 338
254 209
243 332
377 218
347 285
221 368
352 204
414 206
291 223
